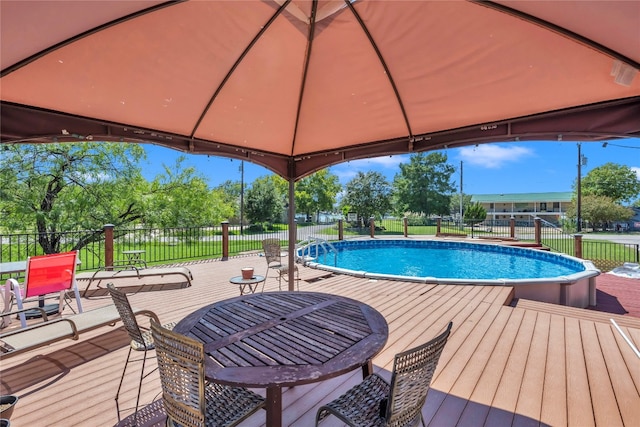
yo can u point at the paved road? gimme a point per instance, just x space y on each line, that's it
624 238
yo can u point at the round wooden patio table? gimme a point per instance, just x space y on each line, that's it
281 339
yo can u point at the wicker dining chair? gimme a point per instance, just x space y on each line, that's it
189 400
374 402
141 339
273 254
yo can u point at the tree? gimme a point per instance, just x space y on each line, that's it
264 200
53 188
231 189
600 210
424 185
181 198
56 188
229 193
454 203
317 192
618 182
369 194
475 213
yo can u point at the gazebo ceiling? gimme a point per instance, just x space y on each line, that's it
299 85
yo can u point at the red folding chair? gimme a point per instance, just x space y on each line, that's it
47 275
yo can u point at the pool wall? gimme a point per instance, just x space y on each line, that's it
576 290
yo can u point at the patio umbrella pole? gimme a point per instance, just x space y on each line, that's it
292 232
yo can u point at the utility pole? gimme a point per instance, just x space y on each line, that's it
461 197
241 195
582 161
579 207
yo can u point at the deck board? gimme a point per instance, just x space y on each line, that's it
606 411
554 396
577 313
579 409
503 365
528 407
619 372
461 383
477 411
504 403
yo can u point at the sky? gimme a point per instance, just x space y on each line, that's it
496 168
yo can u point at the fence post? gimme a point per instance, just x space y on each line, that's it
538 230
405 221
225 240
108 246
438 225
577 245
372 227
512 227
340 229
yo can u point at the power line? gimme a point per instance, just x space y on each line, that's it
604 145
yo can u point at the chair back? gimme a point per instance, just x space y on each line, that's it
410 380
181 366
127 315
47 274
272 250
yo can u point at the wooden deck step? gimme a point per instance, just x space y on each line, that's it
578 313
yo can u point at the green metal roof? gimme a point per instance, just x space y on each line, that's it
564 196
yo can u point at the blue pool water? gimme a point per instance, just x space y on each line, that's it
448 260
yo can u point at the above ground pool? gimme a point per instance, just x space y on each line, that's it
454 262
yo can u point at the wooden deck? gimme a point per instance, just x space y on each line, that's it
505 364
620 295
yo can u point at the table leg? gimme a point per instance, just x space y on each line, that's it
252 288
367 369
274 406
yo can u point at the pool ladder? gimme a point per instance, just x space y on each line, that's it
310 249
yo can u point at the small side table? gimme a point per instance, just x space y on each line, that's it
135 257
252 283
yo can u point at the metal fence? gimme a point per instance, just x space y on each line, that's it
160 246
168 245
18 247
521 229
605 255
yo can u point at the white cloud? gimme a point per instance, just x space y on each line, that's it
344 174
387 165
636 170
493 156
387 162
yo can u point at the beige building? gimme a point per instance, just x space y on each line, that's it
522 206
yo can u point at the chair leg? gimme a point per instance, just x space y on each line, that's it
288 278
144 361
7 297
142 376
124 370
